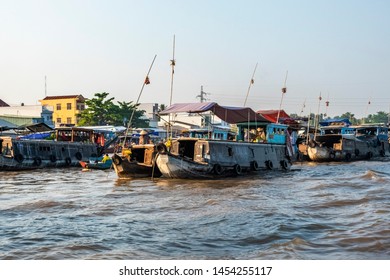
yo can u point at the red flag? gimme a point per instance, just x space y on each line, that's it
147 81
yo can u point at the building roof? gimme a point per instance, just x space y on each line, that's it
3 104
79 96
225 113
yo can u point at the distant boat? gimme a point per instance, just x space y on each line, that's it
96 163
349 143
196 158
71 145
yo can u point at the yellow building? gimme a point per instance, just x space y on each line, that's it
65 108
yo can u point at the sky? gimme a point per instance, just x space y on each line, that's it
338 49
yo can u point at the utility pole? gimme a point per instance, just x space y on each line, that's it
202 95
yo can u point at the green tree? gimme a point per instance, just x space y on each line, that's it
379 117
101 110
125 112
350 116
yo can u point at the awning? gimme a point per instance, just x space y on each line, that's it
225 113
272 115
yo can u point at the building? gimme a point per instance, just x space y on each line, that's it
65 108
27 114
151 112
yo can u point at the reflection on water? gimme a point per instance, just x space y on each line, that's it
315 211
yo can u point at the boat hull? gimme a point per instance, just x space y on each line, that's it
34 154
218 159
346 148
136 162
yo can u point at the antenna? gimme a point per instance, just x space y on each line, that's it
252 81
45 87
284 90
202 95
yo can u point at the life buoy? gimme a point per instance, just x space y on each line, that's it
255 165
161 148
357 152
68 161
217 169
78 155
237 169
53 158
348 157
269 164
37 161
117 159
284 164
19 158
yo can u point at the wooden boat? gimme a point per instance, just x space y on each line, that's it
70 146
350 143
136 162
96 164
208 158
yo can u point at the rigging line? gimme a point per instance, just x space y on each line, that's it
139 96
251 82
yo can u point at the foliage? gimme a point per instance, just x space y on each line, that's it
101 110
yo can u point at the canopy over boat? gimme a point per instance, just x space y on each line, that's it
226 113
329 122
272 115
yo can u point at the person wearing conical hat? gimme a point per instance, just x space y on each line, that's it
143 137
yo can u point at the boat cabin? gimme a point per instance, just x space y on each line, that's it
274 133
204 133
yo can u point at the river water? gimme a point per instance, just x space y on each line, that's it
315 211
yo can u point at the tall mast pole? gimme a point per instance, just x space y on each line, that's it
173 63
252 81
284 90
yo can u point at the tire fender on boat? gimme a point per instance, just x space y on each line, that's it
117 159
357 152
37 161
217 169
369 155
348 157
284 164
237 169
161 148
255 165
382 153
332 155
53 158
19 158
78 155
269 164
312 144
68 161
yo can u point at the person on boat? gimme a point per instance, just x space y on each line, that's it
260 135
105 158
144 137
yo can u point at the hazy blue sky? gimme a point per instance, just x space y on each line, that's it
339 48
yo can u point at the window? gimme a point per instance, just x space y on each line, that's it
58 120
68 120
58 106
69 106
